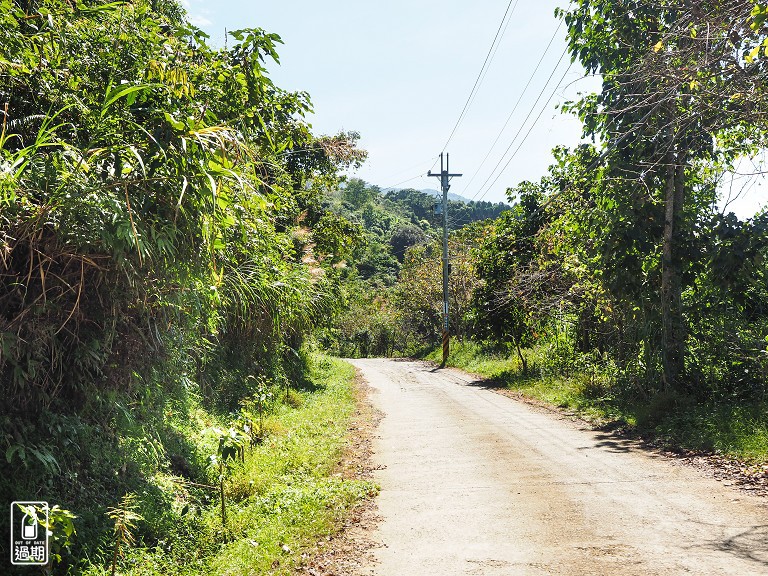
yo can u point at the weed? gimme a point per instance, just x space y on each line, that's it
231 448
61 531
125 517
294 399
280 495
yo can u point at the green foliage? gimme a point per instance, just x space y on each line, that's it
125 517
421 207
391 289
505 303
61 531
335 238
230 448
161 195
369 325
404 238
279 490
358 194
261 401
419 294
280 500
162 237
59 525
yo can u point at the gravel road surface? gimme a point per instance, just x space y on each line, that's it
476 483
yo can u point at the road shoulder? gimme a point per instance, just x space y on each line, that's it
349 550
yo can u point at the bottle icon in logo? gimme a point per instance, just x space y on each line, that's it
29 527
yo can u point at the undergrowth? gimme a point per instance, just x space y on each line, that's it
281 497
281 492
594 392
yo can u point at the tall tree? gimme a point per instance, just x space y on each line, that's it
658 126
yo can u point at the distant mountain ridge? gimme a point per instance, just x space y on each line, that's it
451 195
438 194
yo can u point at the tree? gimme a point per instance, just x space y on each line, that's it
145 174
510 302
418 294
657 135
358 193
404 238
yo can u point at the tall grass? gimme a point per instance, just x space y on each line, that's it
281 500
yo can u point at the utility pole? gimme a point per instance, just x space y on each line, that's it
445 178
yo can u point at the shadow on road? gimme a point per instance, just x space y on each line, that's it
613 443
752 544
487 384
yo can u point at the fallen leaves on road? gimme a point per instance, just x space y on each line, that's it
751 477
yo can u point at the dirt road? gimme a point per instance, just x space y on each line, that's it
476 483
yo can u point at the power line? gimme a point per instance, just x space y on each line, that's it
493 55
410 169
603 154
526 134
514 108
419 175
528 116
596 162
486 63
525 121
522 126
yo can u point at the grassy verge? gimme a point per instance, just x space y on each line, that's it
281 499
738 430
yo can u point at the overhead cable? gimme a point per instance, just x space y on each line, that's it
486 63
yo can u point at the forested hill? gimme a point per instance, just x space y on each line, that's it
420 207
389 222
460 210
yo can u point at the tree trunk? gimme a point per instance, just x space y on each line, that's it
523 361
673 330
223 503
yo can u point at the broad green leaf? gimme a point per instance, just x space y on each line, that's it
178 125
117 92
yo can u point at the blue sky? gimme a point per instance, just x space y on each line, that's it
399 72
